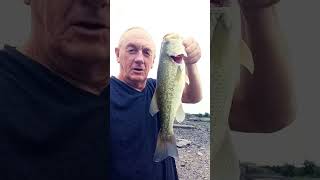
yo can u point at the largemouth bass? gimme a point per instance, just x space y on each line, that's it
228 51
171 78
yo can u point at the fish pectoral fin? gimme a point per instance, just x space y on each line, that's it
180 115
187 80
154 105
187 77
246 57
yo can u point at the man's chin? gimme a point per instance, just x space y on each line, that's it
138 79
85 51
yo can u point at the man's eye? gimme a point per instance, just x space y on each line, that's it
132 51
147 53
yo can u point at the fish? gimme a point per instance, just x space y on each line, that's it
227 52
171 80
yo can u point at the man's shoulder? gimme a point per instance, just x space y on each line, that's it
8 59
5 65
151 81
10 73
151 85
4 56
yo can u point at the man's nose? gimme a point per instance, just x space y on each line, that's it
139 58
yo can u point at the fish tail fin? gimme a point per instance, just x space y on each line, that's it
166 146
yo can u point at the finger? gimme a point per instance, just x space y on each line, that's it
192 47
194 55
186 42
194 60
197 58
194 51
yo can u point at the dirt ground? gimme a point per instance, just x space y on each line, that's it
194 159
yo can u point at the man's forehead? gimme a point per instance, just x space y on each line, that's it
139 43
137 37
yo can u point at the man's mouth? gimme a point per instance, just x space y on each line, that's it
138 69
91 25
178 59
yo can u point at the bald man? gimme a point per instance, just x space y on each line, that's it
134 131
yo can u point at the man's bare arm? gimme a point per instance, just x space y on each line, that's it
192 92
264 102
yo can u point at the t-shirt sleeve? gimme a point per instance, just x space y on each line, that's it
152 83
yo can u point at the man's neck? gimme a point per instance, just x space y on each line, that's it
139 86
92 78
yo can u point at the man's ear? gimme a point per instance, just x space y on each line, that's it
116 50
27 2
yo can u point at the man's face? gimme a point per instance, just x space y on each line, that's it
136 53
76 29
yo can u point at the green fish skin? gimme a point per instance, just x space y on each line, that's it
167 97
228 51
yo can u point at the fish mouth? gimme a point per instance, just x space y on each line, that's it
177 59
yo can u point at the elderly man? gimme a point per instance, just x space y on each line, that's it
54 95
133 130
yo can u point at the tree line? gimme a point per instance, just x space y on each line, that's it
308 169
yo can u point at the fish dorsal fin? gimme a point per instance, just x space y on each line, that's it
180 115
246 57
154 104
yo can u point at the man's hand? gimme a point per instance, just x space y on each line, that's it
193 51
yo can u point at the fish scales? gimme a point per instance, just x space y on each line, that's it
167 98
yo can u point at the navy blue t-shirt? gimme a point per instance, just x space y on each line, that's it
134 135
49 129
